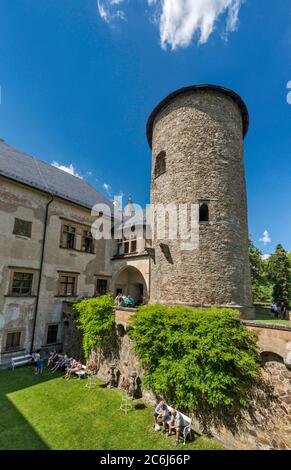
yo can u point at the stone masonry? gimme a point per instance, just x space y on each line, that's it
201 133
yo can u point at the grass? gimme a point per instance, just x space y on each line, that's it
266 318
47 412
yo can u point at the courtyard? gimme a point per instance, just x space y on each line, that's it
47 412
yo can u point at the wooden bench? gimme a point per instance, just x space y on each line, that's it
186 431
20 360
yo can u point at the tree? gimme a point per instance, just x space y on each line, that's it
195 358
280 276
96 321
261 286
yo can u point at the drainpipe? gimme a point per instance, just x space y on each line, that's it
40 272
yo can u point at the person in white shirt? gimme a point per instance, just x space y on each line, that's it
176 424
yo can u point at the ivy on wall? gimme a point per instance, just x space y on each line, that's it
196 358
96 321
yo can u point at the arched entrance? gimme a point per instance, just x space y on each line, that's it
130 281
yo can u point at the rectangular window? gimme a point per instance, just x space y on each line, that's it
87 242
13 341
120 248
68 237
101 287
22 227
52 334
126 248
67 285
133 246
22 284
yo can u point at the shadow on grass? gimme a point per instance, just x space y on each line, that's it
15 431
139 406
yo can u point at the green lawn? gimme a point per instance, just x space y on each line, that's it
46 412
265 318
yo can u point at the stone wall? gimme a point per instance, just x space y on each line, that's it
201 135
268 427
268 424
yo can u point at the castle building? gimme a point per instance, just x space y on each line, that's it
196 135
49 257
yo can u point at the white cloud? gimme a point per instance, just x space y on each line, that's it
181 20
266 239
107 188
109 10
265 257
68 169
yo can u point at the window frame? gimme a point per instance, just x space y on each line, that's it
47 333
64 274
20 270
90 237
101 279
160 167
21 340
65 233
201 206
29 227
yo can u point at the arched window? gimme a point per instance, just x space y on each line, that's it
160 165
204 213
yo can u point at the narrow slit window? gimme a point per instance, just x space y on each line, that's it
204 213
160 165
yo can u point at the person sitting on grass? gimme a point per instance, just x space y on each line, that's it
54 361
161 412
176 424
65 363
58 364
51 358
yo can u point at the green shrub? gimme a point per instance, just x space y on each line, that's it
96 321
195 358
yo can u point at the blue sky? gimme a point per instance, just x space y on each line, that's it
79 81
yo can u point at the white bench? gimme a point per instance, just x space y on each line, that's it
20 360
82 372
186 431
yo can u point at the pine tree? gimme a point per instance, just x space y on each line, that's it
261 286
280 275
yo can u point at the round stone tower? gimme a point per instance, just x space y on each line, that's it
196 135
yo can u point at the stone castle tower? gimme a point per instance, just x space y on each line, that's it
196 135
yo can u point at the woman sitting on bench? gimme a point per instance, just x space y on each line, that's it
74 366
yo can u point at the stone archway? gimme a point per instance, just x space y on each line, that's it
130 281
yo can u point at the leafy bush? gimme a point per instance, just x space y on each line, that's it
96 321
195 358
261 284
280 274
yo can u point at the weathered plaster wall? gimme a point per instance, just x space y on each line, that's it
16 313
15 250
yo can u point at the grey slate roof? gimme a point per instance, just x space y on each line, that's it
26 169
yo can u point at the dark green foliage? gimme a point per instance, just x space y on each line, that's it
279 274
96 321
195 358
261 285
